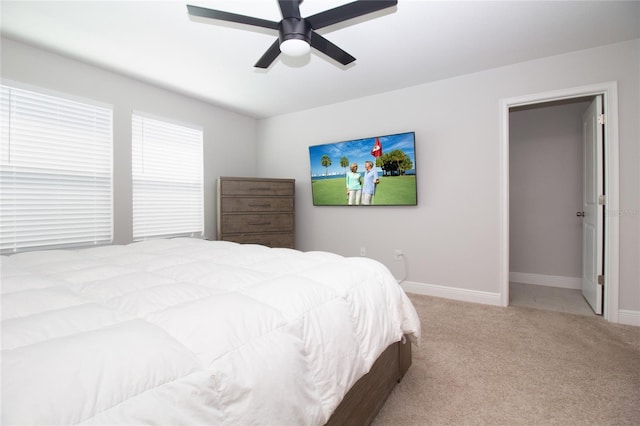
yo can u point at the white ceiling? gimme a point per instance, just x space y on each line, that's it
416 42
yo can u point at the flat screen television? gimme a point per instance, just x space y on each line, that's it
340 175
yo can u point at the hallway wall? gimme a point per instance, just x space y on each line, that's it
545 190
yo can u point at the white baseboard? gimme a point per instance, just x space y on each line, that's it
629 317
454 293
546 280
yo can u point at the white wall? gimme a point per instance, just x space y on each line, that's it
451 239
545 190
229 138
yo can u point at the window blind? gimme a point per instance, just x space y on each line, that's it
55 171
167 179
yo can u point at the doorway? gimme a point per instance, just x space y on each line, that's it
608 91
546 185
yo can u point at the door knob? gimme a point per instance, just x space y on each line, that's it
580 214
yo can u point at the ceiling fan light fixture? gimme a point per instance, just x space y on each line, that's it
295 47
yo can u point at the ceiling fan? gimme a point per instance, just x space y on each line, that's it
297 34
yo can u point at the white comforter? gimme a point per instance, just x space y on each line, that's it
187 331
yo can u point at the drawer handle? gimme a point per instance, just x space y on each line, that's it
259 205
259 223
259 189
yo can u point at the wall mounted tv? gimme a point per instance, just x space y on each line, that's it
341 177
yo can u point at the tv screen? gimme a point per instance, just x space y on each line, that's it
379 170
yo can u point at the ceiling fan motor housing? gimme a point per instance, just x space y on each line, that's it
294 29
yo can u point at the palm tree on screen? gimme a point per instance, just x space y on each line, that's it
326 162
344 163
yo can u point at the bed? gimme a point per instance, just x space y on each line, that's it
188 331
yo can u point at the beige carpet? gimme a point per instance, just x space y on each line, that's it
486 365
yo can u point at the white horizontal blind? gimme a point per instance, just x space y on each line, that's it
167 179
55 171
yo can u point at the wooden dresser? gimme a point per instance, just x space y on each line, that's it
256 211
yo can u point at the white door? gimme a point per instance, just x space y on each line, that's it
592 209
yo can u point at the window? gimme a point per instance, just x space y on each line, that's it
55 171
167 179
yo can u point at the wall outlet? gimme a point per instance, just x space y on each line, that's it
399 254
363 251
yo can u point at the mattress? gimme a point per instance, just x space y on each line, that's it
188 331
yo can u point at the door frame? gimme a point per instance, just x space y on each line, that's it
609 92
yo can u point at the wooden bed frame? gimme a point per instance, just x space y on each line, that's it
363 401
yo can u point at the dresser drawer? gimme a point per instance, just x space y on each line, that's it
270 240
257 204
256 188
248 223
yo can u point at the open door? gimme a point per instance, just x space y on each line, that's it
593 205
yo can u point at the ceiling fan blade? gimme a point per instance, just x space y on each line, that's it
325 46
269 56
348 11
231 17
290 8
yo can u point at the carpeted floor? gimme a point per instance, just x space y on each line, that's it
487 365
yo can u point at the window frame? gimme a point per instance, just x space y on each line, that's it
196 185
99 227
